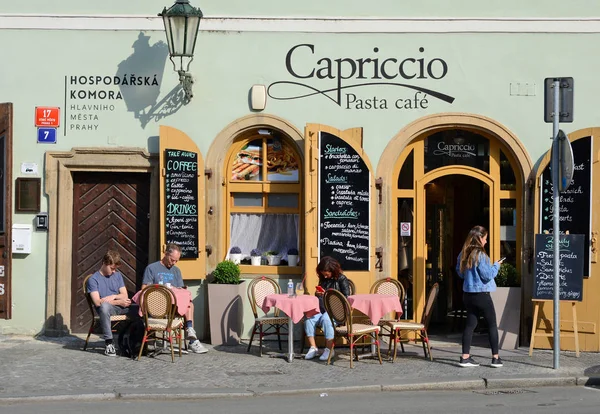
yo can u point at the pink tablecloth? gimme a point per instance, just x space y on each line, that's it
183 296
294 307
375 305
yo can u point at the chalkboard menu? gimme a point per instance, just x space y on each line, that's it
571 248
575 203
344 194
181 196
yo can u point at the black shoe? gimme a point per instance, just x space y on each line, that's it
496 362
467 362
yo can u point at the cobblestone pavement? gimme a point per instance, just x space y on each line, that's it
46 367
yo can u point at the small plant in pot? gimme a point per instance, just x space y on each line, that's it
235 254
507 276
227 273
273 258
255 257
292 256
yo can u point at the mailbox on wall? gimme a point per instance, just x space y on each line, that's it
21 238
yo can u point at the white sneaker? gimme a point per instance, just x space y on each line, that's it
197 347
312 352
191 333
325 355
110 350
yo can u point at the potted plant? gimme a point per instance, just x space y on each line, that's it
235 254
292 256
255 257
507 302
225 305
273 258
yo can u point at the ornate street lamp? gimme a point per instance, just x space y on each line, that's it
181 25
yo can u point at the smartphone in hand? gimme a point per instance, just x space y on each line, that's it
502 259
320 289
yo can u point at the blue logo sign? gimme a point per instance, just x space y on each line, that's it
46 136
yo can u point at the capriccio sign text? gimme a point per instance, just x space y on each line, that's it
303 62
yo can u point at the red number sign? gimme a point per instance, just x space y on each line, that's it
47 116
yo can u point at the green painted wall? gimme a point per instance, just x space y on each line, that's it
348 8
38 68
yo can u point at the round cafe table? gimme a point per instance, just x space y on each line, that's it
183 296
375 306
295 307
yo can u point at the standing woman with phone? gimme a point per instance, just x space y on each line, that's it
475 268
330 277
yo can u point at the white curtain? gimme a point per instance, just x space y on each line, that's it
277 232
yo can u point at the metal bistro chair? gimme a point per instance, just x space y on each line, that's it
115 320
397 327
340 312
265 325
158 308
389 286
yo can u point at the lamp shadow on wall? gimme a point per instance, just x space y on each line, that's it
141 80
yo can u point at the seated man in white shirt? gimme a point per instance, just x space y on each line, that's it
165 271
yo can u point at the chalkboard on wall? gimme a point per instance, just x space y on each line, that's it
344 203
181 196
575 203
571 247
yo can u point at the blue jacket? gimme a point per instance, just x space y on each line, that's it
479 278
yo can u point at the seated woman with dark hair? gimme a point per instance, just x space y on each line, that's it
330 277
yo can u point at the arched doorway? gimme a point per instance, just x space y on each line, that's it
450 172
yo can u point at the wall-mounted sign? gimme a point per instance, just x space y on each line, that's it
181 196
405 229
30 168
344 196
46 136
575 202
47 116
369 82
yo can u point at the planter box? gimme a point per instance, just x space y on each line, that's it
225 309
255 260
274 260
507 302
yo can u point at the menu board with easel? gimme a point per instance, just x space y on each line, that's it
575 202
571 248
344 203
181 194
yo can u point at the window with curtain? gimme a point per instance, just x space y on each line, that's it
264 195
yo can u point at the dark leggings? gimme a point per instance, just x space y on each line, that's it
479 304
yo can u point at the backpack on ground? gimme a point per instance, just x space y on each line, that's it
130 339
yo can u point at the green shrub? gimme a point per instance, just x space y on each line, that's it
227 273
508 276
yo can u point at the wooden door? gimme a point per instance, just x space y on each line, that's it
5 209
110 211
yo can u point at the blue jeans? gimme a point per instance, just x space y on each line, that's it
322 320
106 310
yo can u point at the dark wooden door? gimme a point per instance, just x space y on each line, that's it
110 211
5 209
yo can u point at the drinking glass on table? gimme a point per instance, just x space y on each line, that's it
299 289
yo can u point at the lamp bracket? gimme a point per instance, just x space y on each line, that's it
186 81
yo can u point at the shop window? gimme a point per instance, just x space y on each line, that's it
508 180
457 147
264 192
406 177
508 230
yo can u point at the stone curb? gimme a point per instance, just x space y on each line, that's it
164 394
